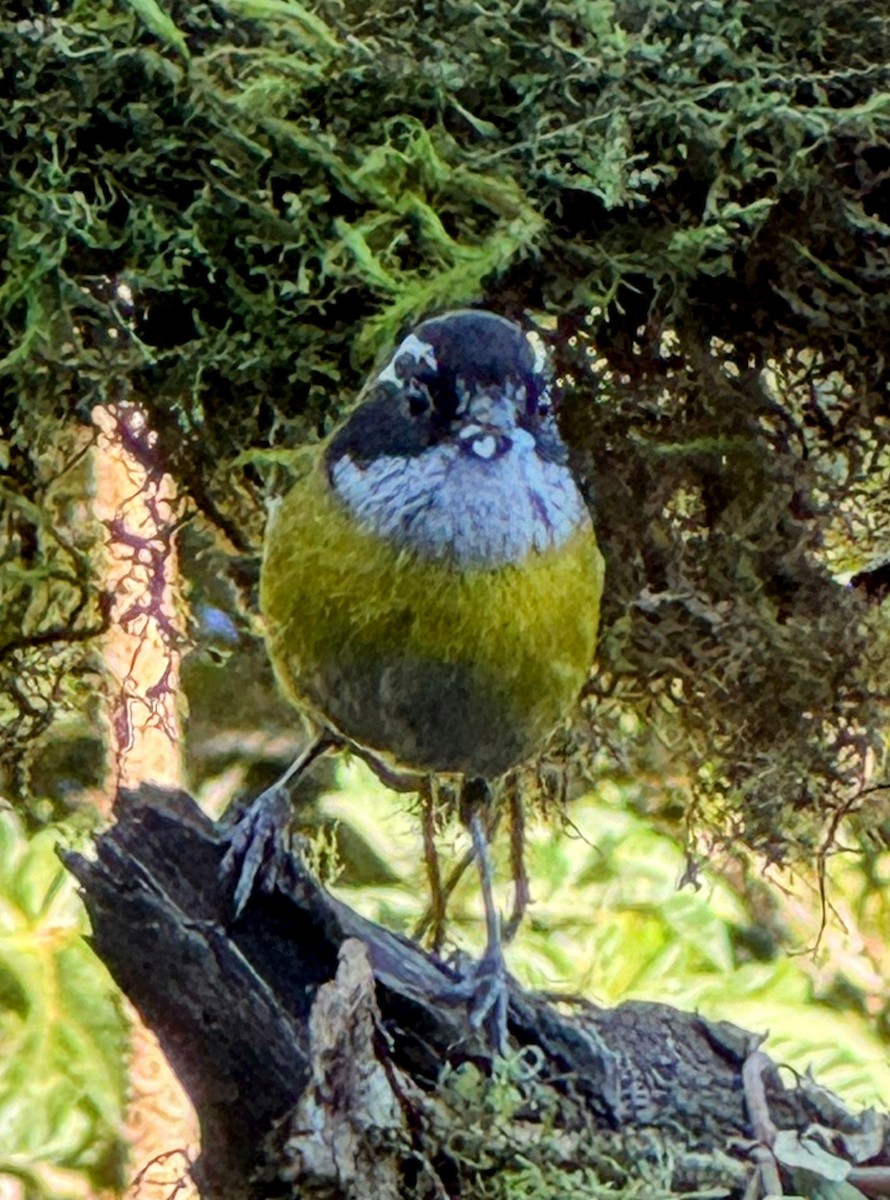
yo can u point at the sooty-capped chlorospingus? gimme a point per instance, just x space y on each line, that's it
431 588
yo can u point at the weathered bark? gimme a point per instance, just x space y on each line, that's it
328 1056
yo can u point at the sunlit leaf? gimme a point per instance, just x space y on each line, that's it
62 1076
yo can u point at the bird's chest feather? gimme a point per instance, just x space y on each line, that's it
399 631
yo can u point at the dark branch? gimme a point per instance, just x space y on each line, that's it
259 1041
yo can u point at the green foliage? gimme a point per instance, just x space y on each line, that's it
223 212
51 609
498 1157
609 923
62 1076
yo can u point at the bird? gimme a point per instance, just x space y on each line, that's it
430 586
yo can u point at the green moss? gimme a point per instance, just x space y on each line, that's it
691 198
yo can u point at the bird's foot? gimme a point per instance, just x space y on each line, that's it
257 845
483 988
489 998
487 990
258 842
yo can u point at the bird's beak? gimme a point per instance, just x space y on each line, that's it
491 409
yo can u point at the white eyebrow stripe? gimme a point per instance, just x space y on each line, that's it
539 349
419 351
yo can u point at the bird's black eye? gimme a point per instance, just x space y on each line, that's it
439 385
428 387
404 365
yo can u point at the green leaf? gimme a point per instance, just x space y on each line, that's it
62 1079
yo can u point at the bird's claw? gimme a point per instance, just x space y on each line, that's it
257 847
485 990
489 1000
258 841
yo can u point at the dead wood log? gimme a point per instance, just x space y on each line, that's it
327 1056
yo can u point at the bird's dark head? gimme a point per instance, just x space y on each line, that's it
470 377
453 451
453 362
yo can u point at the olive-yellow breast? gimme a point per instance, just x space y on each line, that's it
431 587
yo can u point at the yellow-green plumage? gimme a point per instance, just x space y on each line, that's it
431 665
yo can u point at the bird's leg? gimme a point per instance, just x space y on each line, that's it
257 840
488 1007
521 895
449 884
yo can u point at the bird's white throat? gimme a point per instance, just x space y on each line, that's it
459 503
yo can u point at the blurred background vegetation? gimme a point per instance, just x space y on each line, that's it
219 214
